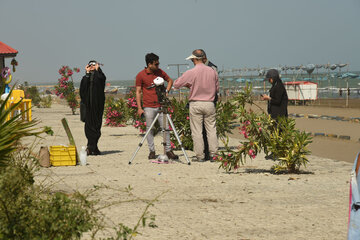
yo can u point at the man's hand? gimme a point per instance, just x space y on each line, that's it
140 111
97 66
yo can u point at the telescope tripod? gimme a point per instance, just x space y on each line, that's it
166 117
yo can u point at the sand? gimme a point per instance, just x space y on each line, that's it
201 201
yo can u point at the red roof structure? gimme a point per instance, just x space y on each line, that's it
299 83
7 51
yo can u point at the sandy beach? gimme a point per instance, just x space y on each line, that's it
201 201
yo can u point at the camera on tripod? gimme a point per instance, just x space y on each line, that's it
160 89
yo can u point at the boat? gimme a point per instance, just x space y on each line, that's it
111 90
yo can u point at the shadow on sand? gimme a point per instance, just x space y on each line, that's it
111 152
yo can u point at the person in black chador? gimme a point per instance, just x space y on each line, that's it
92 95
278 99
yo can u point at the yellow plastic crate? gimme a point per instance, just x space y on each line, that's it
63 156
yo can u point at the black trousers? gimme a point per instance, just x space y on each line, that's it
206 144
92 128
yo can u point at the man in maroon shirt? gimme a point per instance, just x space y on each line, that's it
151 106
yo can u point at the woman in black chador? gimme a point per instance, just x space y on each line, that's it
278 99
93 97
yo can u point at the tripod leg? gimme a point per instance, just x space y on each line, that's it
164 132
142 141
177 138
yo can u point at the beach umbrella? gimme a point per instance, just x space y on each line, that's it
261 72
310 68
341 65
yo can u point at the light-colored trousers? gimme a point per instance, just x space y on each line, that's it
203 112
150 114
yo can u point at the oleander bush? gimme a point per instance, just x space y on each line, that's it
116 112
287 144
179 114
66 89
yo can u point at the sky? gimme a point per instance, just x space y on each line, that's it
119 33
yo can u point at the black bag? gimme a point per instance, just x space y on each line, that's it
82 111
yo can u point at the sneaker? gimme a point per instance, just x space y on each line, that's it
152 155
172 155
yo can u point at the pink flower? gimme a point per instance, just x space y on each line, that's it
260 129
229 155
225 164
187 118
252 153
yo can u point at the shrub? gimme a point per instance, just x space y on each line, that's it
179 113
65 88
29 212
33 94
287 144
45 102
115 112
